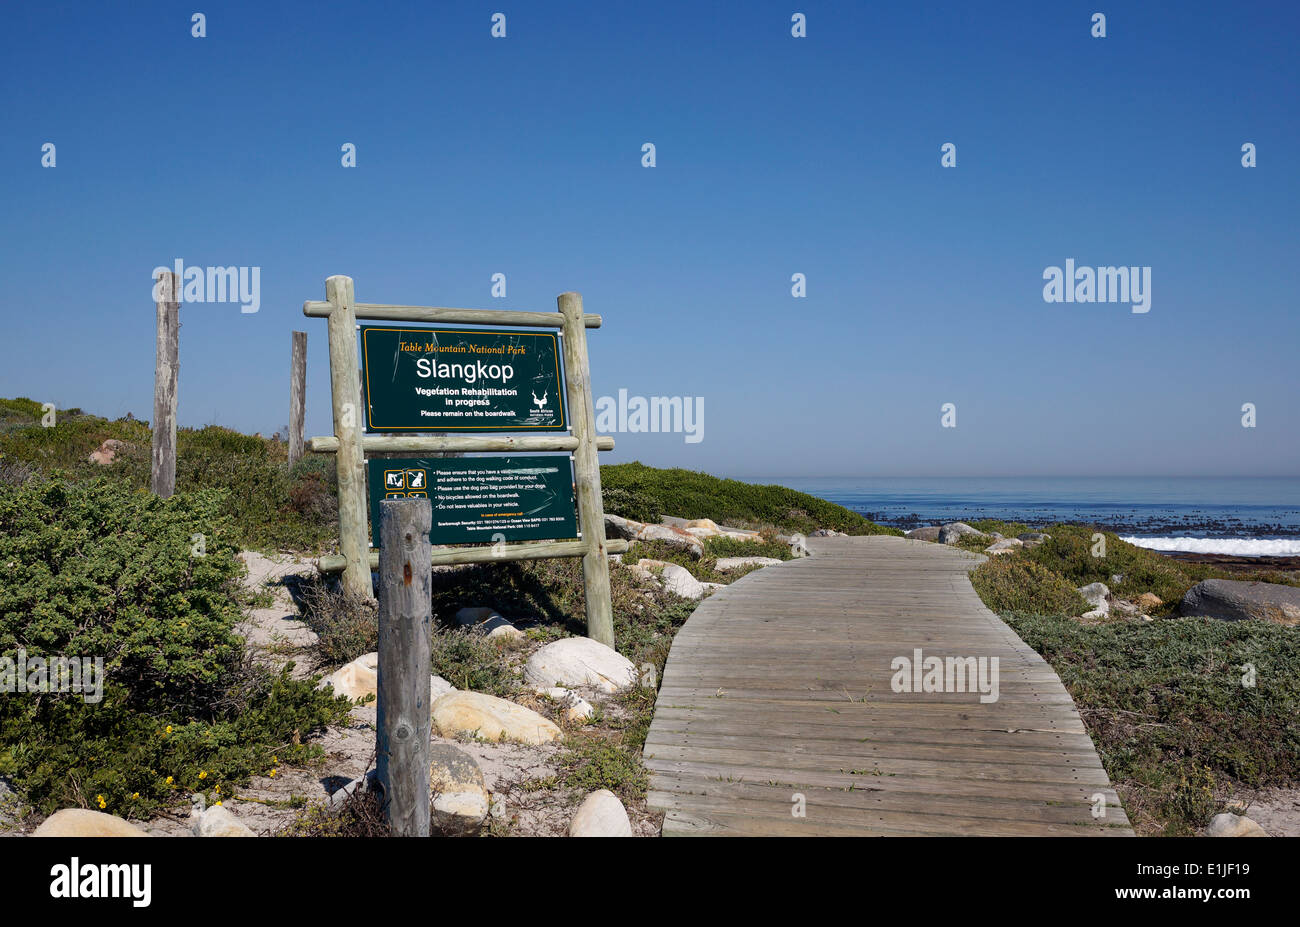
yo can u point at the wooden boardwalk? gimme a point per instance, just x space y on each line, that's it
779 685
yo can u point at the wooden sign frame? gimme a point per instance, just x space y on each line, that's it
349 444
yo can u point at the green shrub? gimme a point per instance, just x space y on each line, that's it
1011 583
1070 552
471 661
269 507
346 625
628 503
96 569
593 763
734 547
688 494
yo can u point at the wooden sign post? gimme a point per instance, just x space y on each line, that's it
297 395
403 724
348 443
162 476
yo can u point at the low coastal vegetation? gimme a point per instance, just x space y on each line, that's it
686 493
98 569
1186 712
97 565
270 505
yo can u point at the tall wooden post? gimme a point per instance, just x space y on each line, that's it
162 477
405 587
297 395
348 428
586 469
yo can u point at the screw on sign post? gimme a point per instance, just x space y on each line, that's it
405 604
162 476
297 395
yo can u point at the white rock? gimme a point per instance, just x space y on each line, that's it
1005 546
490 718
726 564
80 822
216 821
1234 825
580 661
675 578
576 708
360 679
954 530
487 621
579 709
460 800
357 679
624 528
676 538
703 528
601 814
1096 595
438 687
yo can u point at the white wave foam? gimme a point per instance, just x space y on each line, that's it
1237 547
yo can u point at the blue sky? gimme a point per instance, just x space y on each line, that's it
775 155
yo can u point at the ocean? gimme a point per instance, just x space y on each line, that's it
1241 516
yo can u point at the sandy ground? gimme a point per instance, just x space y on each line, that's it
1275 810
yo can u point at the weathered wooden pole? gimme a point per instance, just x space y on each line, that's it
405 589
586 471
347 428
162 477
297 395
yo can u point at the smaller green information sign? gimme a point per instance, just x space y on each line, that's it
482 500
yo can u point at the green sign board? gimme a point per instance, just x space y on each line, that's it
454 379
482 500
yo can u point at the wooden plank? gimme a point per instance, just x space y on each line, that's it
382 312
783 681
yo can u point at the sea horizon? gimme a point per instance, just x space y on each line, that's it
1242 516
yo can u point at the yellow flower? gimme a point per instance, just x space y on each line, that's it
273 772
218 804
135 795
169 780
102 803
203 774
218 790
